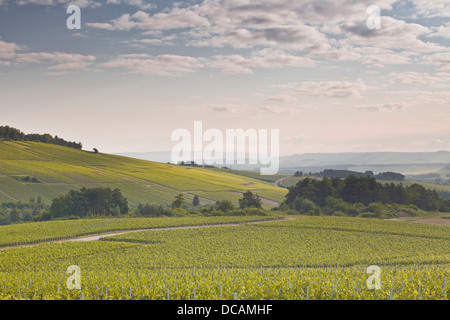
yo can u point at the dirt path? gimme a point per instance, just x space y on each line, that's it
2 192
437 221
279 182
104 235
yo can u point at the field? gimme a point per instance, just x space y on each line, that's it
58 170
317 258
198 257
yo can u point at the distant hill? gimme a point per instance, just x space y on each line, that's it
401 162
33 169
365 158
406 163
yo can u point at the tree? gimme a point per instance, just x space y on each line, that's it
96 201
179 201
95 150
225 205
250 200
195 201
298 174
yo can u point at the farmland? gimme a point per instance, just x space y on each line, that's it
58 169
200 257
316 258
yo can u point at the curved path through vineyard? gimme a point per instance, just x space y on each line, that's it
98 236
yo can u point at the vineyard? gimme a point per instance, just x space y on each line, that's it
316 258
61 169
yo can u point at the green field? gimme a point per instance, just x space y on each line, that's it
200 257
61 169
318 258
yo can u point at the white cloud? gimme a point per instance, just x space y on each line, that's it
309 27
299 37
265 58
176 19
377 57
80 3
386 107
141 4
330 89
418 78
8 49
284 97
441 31
440 59
59 60
434 8
163 65
393 34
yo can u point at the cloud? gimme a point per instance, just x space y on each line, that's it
232 108
377 57
393 34
177 18
284 97
228 108
330 89
162 65
435 8
440 59
330 30
8 49
80 3
162 41
58 60
265 58
386 107
299 37
141 4
418 78
441 31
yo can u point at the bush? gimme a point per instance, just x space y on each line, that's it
179 212
303 205
225 205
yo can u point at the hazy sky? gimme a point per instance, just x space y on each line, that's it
138 70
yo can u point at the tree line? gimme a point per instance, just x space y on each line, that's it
89 202
9 133
335 173
104 202
365 190
249 204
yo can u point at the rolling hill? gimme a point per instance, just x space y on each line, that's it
32 169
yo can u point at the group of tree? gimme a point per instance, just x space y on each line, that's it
104 202
249 204
14 212
342 174
193 164
9 133
365 190
89 202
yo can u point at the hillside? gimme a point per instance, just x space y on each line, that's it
33 169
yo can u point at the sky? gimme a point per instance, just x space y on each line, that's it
317 71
